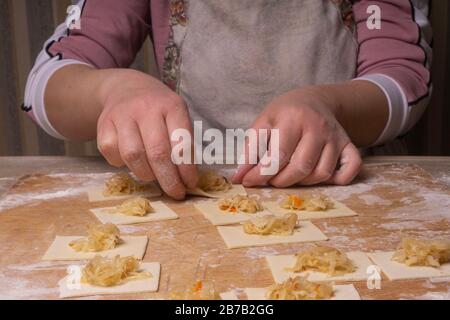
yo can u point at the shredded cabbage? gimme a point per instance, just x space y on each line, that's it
198 291
299 288
271 225
416 252
240 203
138 206
316 203
121 184
104 272
211 181
100 237
323 259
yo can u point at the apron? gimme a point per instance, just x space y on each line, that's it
229 59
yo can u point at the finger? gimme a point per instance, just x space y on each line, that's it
326 166
253 147
281 146
302 163
132 150
350 162
180 120
107 143
158 150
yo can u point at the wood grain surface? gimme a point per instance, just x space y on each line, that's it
392 200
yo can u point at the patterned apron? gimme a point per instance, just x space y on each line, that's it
229 59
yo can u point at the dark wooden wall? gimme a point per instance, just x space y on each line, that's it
432 134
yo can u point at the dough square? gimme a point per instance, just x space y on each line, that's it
236 189
60 250
219 217
71 286
339 210
235 237
397 271
229 295
278 265
151 190
341 292
162 212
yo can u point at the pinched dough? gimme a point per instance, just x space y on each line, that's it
235 189
122 186
212 185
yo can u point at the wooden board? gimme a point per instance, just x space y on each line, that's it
391 200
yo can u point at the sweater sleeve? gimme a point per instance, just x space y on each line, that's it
397 58
98 33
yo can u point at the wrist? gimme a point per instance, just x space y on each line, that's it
329 95
110 80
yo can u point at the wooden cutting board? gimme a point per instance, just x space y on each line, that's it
392 200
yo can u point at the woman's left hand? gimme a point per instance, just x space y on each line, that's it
313 146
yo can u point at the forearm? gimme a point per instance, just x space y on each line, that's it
76 95
363 111
72 102
359 106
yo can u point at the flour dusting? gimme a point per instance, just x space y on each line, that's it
12 200
260 252
371 199
19 288
40 266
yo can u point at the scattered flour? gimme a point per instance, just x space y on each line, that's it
371 199
45 265
403 225
15 200
19 288
260 252
127 229
434 296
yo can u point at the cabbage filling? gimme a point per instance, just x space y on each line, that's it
299 288
211 181
104 272
121 184
323 259
271 225
138 206
315 203
100 237
416 252
240 203
198 291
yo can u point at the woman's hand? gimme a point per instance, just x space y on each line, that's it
139 114
312 143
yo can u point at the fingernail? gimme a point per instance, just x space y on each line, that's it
344 159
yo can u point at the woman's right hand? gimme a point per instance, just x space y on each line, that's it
134 128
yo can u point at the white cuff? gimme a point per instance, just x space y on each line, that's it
35 91
398 106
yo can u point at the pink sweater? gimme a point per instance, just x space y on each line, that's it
395 57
